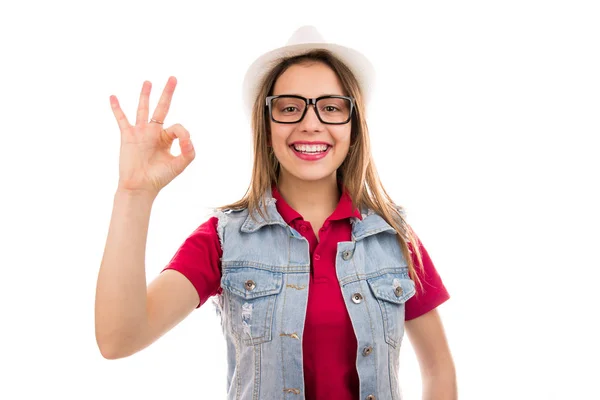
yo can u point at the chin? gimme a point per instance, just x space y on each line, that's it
311 176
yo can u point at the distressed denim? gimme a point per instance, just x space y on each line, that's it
265 277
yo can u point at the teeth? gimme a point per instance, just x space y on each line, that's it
314 148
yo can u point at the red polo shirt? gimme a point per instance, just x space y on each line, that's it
329 344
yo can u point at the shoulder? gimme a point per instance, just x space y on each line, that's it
395 209
207 228
231 212
211 228
224 216
227 219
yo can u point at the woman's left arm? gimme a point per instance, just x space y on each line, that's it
427 337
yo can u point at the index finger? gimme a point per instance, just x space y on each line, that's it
160 113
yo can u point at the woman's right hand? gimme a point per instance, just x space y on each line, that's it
146 164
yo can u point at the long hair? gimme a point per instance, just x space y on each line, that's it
357 172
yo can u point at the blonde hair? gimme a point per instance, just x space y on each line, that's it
357 172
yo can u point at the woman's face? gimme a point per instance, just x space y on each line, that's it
298 147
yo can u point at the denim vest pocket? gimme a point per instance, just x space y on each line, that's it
252 293
392 290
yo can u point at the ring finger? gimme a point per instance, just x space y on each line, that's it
142 113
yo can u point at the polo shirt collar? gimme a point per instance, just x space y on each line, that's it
343 210
278 212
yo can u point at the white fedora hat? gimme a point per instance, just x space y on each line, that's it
302 40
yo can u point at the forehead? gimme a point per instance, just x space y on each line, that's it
310 79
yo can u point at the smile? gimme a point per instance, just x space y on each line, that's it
310 152
310 148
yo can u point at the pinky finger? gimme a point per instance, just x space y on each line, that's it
119 115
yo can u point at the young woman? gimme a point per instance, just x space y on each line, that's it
315 271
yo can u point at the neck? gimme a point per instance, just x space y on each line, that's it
310 198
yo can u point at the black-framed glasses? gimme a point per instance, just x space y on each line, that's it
290 109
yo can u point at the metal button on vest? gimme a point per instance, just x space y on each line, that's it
367 350
346 255
398 291
249 285
370 397
357 298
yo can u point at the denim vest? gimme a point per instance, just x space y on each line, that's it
265 277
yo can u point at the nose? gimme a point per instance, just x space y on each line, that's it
311 122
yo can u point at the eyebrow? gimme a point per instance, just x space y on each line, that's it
297 94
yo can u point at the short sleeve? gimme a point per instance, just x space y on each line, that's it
199 260
433 292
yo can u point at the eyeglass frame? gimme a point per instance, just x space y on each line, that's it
309 102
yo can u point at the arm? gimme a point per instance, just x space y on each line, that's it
128 315
426 334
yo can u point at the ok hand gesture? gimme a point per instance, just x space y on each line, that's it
146 164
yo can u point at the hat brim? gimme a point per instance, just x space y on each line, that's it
360 66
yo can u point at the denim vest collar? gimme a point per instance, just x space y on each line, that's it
370 224
255 221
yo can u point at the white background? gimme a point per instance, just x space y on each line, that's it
484 125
